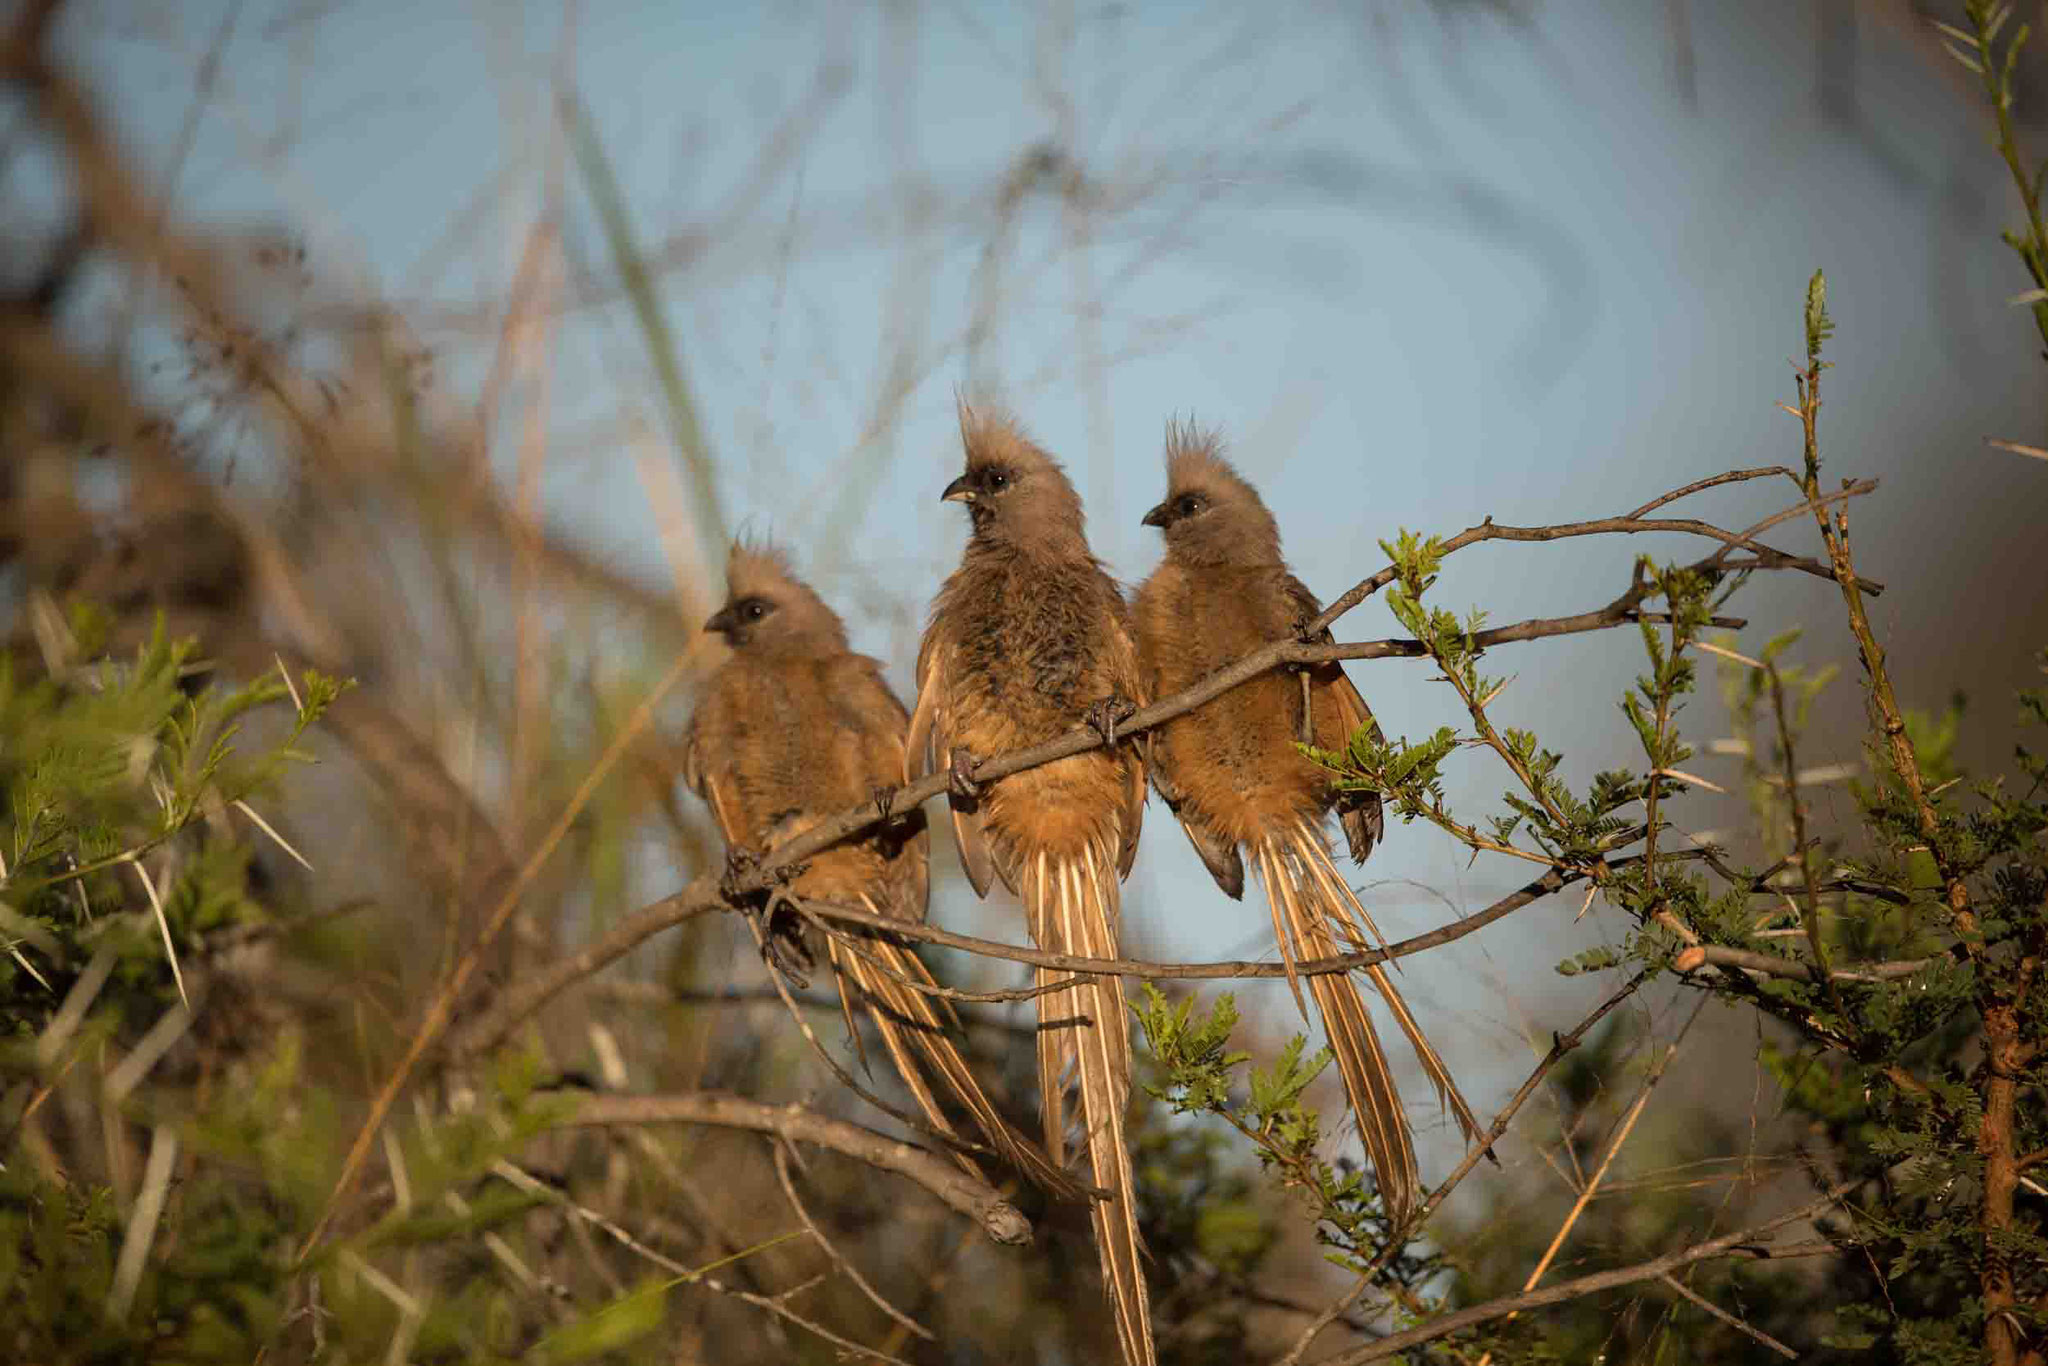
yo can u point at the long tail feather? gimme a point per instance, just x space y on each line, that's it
1349 916
1316 915
1354 1043
911 1032
1072 908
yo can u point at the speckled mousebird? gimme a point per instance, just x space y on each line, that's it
1232 775
1027 636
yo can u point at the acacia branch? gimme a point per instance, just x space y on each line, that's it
705 893
1712 481
1809 909
1229 969
1489 530
1083 738
1772 965
979 1202
831 1249
522 998
1732 1320
1560 1045
1746 1242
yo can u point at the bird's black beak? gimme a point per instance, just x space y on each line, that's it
1161 517
723 621
959 491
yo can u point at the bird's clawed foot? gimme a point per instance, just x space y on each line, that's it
780 928
884 798
777 924
1304 636
741 863
960 775
1105 716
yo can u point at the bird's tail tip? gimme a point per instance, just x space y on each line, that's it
1072 905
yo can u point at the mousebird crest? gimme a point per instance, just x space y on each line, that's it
1014 491
1210 514
767 605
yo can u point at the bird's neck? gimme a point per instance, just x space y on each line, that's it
1211 559
1053 544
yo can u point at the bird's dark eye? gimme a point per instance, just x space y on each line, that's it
755 610
1188 505
998 481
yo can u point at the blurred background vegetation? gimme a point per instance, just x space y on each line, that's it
379 389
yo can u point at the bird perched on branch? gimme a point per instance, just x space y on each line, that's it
1027 635
795 727
1231 772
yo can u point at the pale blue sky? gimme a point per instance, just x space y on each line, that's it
1421 264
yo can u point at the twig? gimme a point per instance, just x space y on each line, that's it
997 1217
710 1228
550 1293
1746 1242
650 993
1560 1045
1083 738
2017 448
854 944
1905 762
774 1305
917 1123
142 1221
1809 909
1771 965
442 1008
1621 1133
839 1259
532 1185
77 1001
521 999
1730 1319
147 1053
1713 481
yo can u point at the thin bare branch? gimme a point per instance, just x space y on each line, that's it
1731 1320
521 999
831 1250
1624 610
1771 965
1748 1242
1560 1045
996 1216
1713 481
1808 909
1614 1146
442 1009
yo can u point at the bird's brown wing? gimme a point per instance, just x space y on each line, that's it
1362 814
1124 668
871 710
693 763
703 778
1220 856
928 749
1134 815
1154 615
